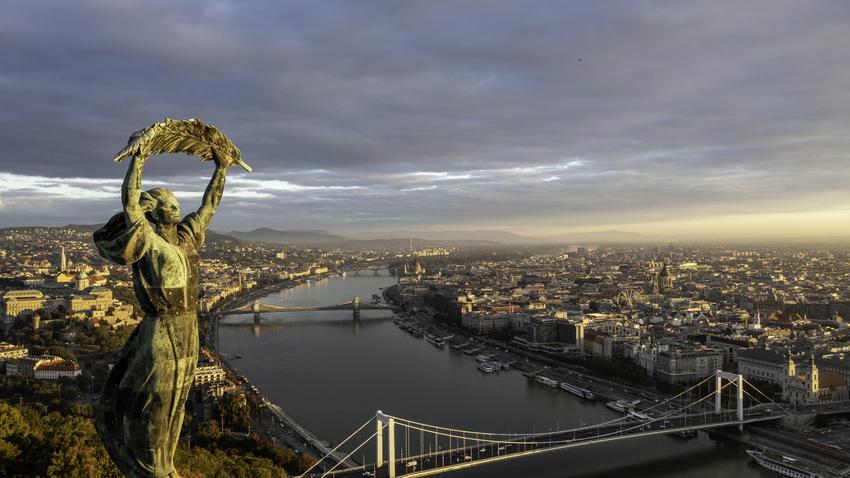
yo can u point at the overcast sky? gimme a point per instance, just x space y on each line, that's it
530 116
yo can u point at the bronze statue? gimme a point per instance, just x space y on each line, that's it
143 400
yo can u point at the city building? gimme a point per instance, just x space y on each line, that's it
685 364
43 367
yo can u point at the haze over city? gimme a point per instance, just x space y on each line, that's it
673 120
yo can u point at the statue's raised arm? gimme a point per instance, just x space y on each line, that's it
143 400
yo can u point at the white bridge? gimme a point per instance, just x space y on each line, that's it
404 447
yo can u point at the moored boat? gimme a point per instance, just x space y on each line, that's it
577 391
483 358
547 381
435 341
486 367
786 465
621 406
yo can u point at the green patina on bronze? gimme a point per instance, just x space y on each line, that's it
143 401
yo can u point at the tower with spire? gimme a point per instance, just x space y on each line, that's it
814 377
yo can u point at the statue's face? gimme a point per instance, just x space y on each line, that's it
168 211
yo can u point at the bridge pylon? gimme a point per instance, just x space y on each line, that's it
379 439
355 306
739 384
256 309
391 446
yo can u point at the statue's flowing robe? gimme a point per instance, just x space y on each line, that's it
143 401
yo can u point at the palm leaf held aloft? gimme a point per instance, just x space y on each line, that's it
190 136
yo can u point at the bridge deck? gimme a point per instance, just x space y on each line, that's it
465 457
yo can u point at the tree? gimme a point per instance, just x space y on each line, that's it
11 422
234 413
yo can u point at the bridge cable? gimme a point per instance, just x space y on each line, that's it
765 396
339 445
457 430
367 440
535 443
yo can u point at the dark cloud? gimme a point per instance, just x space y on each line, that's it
541 114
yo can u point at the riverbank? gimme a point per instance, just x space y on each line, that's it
564 370
280 426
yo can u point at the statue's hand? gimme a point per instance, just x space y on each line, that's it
223 161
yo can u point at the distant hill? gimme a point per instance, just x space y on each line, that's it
83 227
211 236
265 234
402 244
475 236
597 237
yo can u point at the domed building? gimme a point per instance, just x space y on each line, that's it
82 282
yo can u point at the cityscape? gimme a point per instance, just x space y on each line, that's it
334 239
625 327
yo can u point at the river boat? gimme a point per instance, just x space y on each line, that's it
577 391
622 406
472 351
506 365
636 415
435 341
786 465
483 358
685 434
458 346
487 367
547 381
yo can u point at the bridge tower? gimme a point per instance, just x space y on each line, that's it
256 309
379 440
355 306
739 384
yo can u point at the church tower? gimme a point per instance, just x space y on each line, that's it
63 261
814 378
790 368
82 280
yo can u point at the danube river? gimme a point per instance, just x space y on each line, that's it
332 373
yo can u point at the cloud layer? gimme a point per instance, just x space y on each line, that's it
534 116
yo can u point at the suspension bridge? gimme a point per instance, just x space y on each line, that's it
258 308
405 447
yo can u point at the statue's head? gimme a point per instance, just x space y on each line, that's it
161 207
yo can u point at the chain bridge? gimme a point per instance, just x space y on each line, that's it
405 447
258 308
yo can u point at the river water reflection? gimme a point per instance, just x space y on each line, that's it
332 373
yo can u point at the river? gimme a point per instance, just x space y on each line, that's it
332 373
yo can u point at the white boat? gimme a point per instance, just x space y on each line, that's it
547 381
636 415
578 391
621 406
483 358
486 367
785 465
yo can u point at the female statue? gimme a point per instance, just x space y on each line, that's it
143 400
